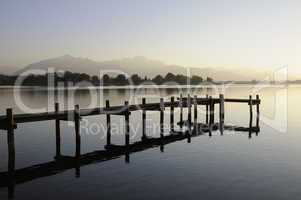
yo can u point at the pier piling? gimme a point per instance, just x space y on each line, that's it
161 117
211 106
172 100
189 113
181 110
251 115
143 120
257 113
10 141
127 124
207 110
57 131
195 114
221 113
108 124
77 131
211 115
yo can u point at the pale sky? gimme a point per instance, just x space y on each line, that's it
199 33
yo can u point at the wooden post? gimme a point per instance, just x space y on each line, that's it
172 100
195 103
211 120
161 117
143 120
127 156
211 115
162 147
207 109
77 130
189 113
108 124
251 116
77 168
162 124
127 124
57 131
181 111
257 113
11 150
55 79
221 113
10 138
188 138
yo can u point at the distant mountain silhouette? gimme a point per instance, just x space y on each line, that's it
7 69
136 65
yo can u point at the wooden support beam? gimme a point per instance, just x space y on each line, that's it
77 131
211 107
161 117
143 120
10 138
207 109
108 116
195 114
55 79
57 132
127 123
181 110
172 100
162 147
251 115
257 113
211 115
189 113
127 157
127 131
221 113
11 151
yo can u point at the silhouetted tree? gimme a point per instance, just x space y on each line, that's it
120 80
170 77
136 79
158 80
195 80
209 79
95 80
106 80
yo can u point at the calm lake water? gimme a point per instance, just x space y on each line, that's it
232 166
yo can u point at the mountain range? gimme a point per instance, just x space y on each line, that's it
136 65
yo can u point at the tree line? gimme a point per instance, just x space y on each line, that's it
106 80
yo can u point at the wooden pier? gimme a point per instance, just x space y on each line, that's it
193 128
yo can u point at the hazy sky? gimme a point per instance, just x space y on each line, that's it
224 33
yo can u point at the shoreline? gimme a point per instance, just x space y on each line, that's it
149 86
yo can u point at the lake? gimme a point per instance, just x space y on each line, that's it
232 166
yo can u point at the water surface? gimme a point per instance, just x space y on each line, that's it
231 166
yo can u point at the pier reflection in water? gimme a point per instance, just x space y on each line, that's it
61 163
